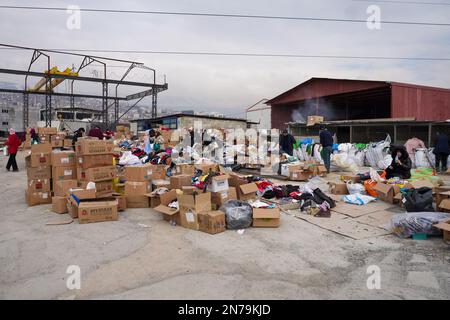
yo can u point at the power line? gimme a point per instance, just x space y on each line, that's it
405 2
245 54
223 15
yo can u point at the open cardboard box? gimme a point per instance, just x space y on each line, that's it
445 227
218 183
247 191
338 188
169 214
386 192
266 218
190 206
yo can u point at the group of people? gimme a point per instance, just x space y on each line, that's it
327 139
401 163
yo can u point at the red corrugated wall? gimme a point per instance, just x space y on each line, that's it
422 103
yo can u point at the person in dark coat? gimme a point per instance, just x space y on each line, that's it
287 142
77 134
96 132
13 144
401 164
326 140
34 136
441 150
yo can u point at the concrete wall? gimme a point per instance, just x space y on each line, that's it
186 122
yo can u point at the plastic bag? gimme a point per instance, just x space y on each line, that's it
238 214
375 176
358 199
129 159
405 225
355 188
417 200
368 185
421 156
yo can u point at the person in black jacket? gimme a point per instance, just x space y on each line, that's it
326 140
441 150
77 134
287 142
401 164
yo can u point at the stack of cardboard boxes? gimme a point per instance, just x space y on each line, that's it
138 185
303 171
39 174
94 163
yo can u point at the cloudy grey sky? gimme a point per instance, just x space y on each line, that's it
229 84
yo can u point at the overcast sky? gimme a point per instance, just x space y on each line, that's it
229 84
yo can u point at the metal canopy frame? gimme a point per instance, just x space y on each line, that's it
152 88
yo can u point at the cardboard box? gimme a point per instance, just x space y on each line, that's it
385 192
39 185
138 201
139 173
90 146
190 206
94 161
312 120
445 227
121 201
67 143
37 160
444 206
189 190
352 178
339 188
218 183
137 188
57 143
59 204
205 168
219 198
321 171
103 188
37 198
47 130
61 188
300 175
184 168
420 184
83 194
41 148
247 191
64 173
266 218
177 182
63 159
45 138
287 168
440 196
157 172
169 214
39 173
160 183
211 222
97 174
97 211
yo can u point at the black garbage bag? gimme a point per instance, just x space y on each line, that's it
238 214
419 200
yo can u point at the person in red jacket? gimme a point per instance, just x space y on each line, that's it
96 132
13 144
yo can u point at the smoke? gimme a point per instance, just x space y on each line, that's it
315 107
